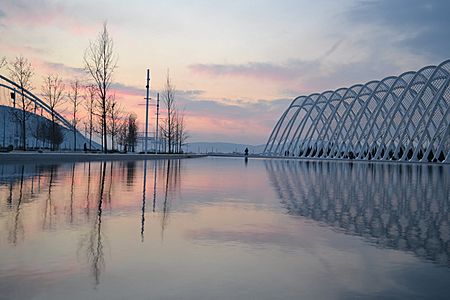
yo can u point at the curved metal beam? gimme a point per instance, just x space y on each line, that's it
372 119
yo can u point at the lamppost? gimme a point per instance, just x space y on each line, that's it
156 129
146 110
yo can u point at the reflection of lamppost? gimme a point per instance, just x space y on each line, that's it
143 201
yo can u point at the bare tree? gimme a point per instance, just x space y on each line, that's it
122 136
75 99
98 128
54 136
132 132
176 139
53 94
35 128
100 63
169 122
21 72
114 114
181 133
89 104
3 62
162 139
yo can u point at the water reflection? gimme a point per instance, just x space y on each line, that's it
97 218
76 196
168 172
131 172
50 208
72 186
404 207
16 228
24 183
88 191
143 201
92 242
167 202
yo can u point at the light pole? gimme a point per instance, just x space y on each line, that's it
157 117
146 110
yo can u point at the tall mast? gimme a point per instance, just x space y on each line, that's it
146 110
157 117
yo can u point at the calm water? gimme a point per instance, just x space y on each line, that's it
217 228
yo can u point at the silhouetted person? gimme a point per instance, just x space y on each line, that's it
85 147
246 151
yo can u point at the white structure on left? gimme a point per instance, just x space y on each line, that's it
10 132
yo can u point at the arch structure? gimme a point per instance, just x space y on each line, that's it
401 118
15 88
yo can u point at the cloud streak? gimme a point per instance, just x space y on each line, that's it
255 70
44 13
62 68
424 26
128 90
290 71
233 120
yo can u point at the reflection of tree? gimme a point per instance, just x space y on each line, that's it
108 198
166 203
21 182
93 241
71 194
9 200
48 211
155 166
403 207
88 192
131 170
17 226
172 174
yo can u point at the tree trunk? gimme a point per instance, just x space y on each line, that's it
24 127
105 135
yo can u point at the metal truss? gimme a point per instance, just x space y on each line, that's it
12 86
401 118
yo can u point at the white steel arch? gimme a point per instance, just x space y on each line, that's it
14 87
403 118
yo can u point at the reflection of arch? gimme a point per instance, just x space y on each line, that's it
404 117
10 85
404 207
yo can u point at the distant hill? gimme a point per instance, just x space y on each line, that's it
219 147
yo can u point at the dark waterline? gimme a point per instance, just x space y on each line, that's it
224 228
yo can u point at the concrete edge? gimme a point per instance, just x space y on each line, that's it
57 157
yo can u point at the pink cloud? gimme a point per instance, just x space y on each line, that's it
44 13
256 70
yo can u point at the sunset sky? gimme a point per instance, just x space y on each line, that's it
236 65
